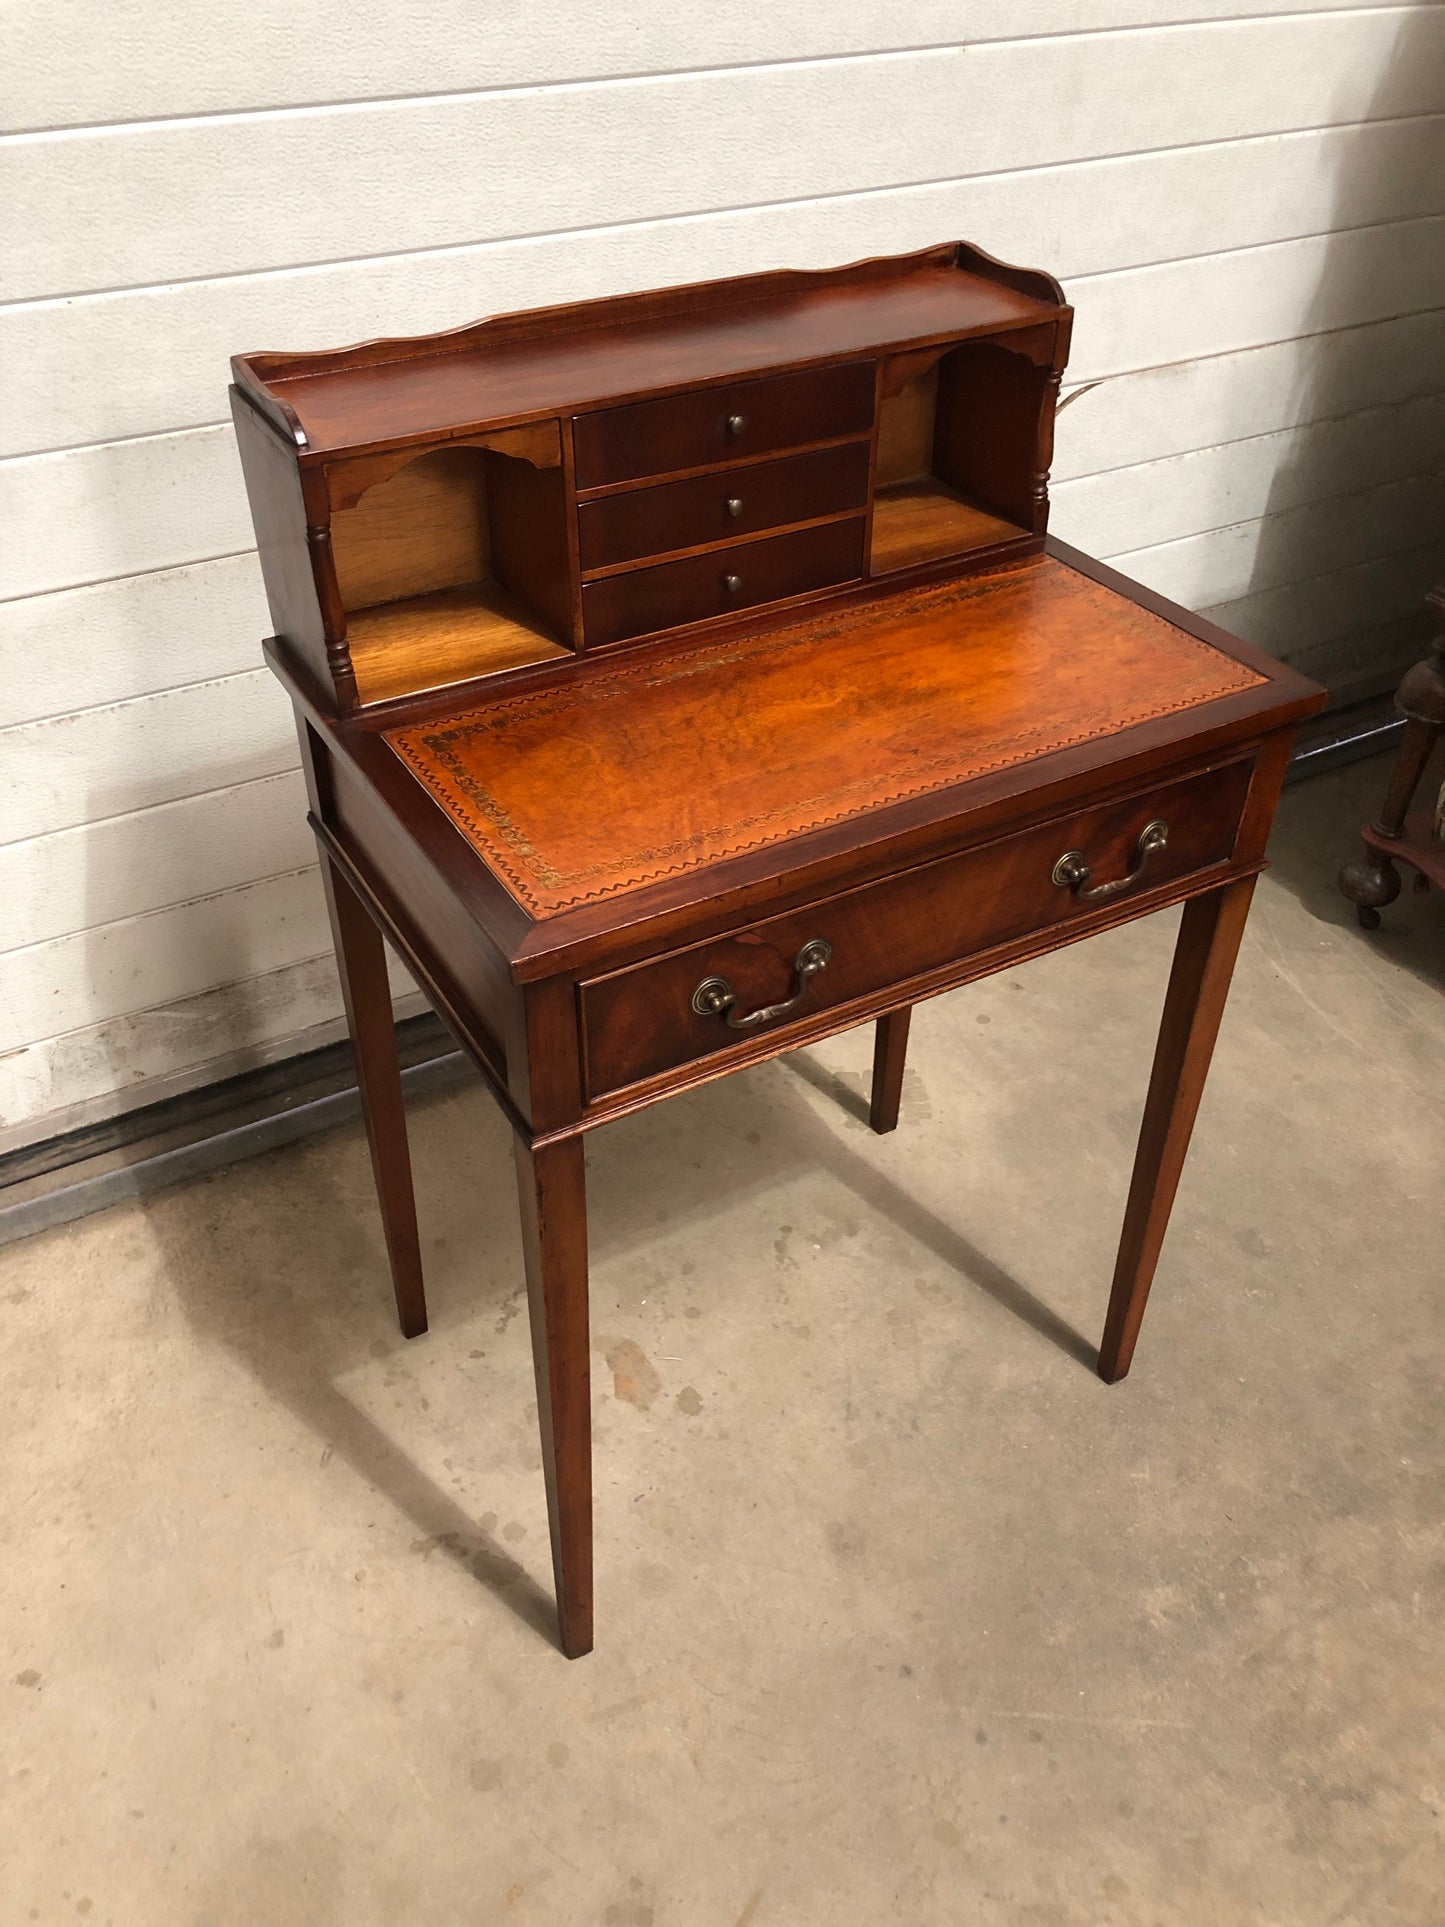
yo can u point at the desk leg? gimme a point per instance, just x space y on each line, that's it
361 959
553 1187
890 1048
1198 985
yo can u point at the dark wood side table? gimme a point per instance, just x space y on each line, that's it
1399 834
684 678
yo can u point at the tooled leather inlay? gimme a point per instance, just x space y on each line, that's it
632 771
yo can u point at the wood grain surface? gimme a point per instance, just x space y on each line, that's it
699 753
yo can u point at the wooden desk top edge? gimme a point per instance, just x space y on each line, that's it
791 870
276 383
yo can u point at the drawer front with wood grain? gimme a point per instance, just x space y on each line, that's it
773 977
722 507
729 423
644 600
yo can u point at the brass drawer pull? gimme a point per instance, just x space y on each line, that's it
715 996
1071 872
736 424
732 583
734 505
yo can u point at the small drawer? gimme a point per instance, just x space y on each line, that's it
643 600
722 507
727 424
670 1011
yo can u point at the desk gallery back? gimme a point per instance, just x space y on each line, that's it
685 676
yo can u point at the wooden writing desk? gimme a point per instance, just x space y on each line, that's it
686 677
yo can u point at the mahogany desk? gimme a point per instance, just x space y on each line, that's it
644 790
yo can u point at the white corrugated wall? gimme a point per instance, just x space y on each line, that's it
1247 207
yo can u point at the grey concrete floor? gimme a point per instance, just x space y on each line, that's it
903 1616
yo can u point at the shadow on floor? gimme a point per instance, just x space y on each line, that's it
311 1304
881 1195
301 1310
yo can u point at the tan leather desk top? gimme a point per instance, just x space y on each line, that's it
567 793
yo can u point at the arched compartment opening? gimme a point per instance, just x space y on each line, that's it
963 450
455 565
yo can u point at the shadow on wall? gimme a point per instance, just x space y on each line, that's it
1354 534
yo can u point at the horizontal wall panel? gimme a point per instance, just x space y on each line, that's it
104 1068
56 358
1250 557
131 756
81 1076
1307 615
1146 317
1365 663
1169 410
125 866
68 63
193 198
77 648
158 959
120 507
167 499
1133 508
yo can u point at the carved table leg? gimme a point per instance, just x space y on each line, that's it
552 1183
361 960
890 1048
1204 956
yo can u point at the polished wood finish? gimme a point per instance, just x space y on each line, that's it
1398 833
907 416
993 438
361 961
532 455
580 780
890 1050
731 423
724 505
552 1189
768 569
350 478
639 1022
923 520
589 354
293 539
1209 936
427 642
424 528
826 719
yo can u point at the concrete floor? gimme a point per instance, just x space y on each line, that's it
903 1616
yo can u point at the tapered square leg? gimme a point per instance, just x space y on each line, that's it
1204 957
890 1048
361 959
552 1183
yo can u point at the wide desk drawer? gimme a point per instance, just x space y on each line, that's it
669 1011
671 593
722 506
725 424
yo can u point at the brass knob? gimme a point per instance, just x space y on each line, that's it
732 583
736 424
734 505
